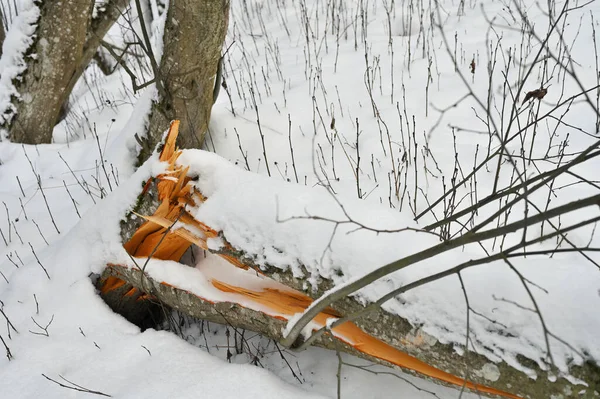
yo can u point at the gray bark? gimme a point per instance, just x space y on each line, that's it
226 313
194 34
144 313
60 37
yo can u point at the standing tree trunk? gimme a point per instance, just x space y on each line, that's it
60 37
194 34
98 29
2 32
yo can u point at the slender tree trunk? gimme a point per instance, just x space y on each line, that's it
147 12
98 29
2 32
193 38
60 37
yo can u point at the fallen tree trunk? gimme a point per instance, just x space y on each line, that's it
226 313
378 336
240 317
399 333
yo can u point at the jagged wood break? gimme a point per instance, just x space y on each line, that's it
159 238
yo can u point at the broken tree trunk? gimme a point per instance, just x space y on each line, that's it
379 336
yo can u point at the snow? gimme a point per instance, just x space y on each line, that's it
300 88
18 39
439 308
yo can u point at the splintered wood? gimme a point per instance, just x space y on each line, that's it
171 230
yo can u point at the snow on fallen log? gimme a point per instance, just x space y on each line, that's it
303 241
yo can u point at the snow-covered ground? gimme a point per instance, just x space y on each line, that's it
371 83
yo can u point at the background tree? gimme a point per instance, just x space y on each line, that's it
98 28
60 36
193 36
2 31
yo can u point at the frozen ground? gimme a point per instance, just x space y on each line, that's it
318 93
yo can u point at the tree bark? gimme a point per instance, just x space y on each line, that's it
227 313
66 40
60 37
194 34
474 367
